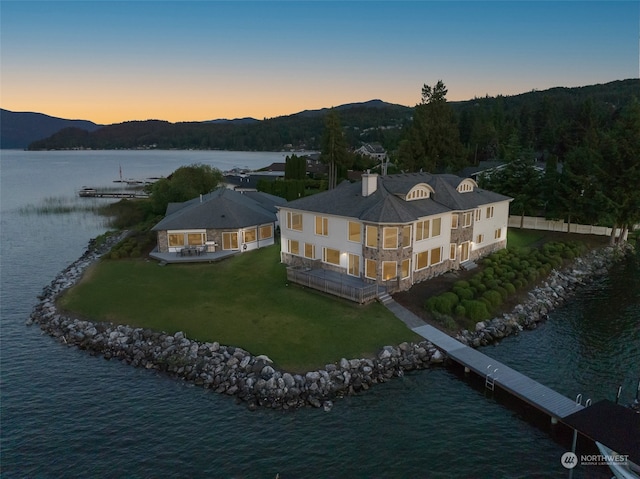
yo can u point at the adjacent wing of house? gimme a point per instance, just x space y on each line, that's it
224 220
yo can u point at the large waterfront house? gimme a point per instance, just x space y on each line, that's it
223 220
393 231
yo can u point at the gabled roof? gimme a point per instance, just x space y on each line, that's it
387 204
221 209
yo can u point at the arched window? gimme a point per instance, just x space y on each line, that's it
466 185
419 192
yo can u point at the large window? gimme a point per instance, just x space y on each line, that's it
406 265
436 226
452 251
370 268
480 239
195 239
249 236
266 231
489 211
355 232
454 221
390 235
422 260
422 230
389 270
354 265
176 240
183 238
310 251
436 256
322 225
466 220
294 221
372 237
497 233
294 247
230 240
330 255
406 236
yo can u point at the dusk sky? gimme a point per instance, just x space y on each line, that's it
109 61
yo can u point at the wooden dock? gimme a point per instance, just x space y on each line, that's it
500 375
92 193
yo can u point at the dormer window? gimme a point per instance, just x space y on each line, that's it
466 185
419 192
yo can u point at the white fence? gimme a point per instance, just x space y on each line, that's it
536 223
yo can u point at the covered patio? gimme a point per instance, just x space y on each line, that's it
338 284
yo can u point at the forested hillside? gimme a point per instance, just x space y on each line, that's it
302 130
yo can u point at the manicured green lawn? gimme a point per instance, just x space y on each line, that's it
241 301
517 238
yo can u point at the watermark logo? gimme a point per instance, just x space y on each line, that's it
569 460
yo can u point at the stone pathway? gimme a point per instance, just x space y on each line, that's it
403 314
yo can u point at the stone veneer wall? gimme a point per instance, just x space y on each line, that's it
163 242
487 250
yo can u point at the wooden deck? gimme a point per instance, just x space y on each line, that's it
497 374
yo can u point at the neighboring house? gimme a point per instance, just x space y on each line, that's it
394 230
224 220
373 150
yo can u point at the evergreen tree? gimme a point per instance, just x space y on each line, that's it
433 138
621 167
334 147
295 168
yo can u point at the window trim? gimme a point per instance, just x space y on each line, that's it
359 225
416 263
395 265
371 228
325 250
291 225
324 225
367 263
392 236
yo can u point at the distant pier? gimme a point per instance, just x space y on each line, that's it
95 193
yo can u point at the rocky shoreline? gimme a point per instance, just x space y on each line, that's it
229 370
558 287
253 380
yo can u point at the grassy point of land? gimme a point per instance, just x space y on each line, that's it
243 301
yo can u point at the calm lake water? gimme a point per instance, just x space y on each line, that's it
67 414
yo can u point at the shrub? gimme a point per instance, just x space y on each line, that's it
476 310
494 297
443 303
461 284
448 322
511 289
463 293
503 292
460 310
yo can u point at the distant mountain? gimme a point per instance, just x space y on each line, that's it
298 131
20 129
235 121
349 106
541 112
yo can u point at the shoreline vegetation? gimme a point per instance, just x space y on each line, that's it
337 329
